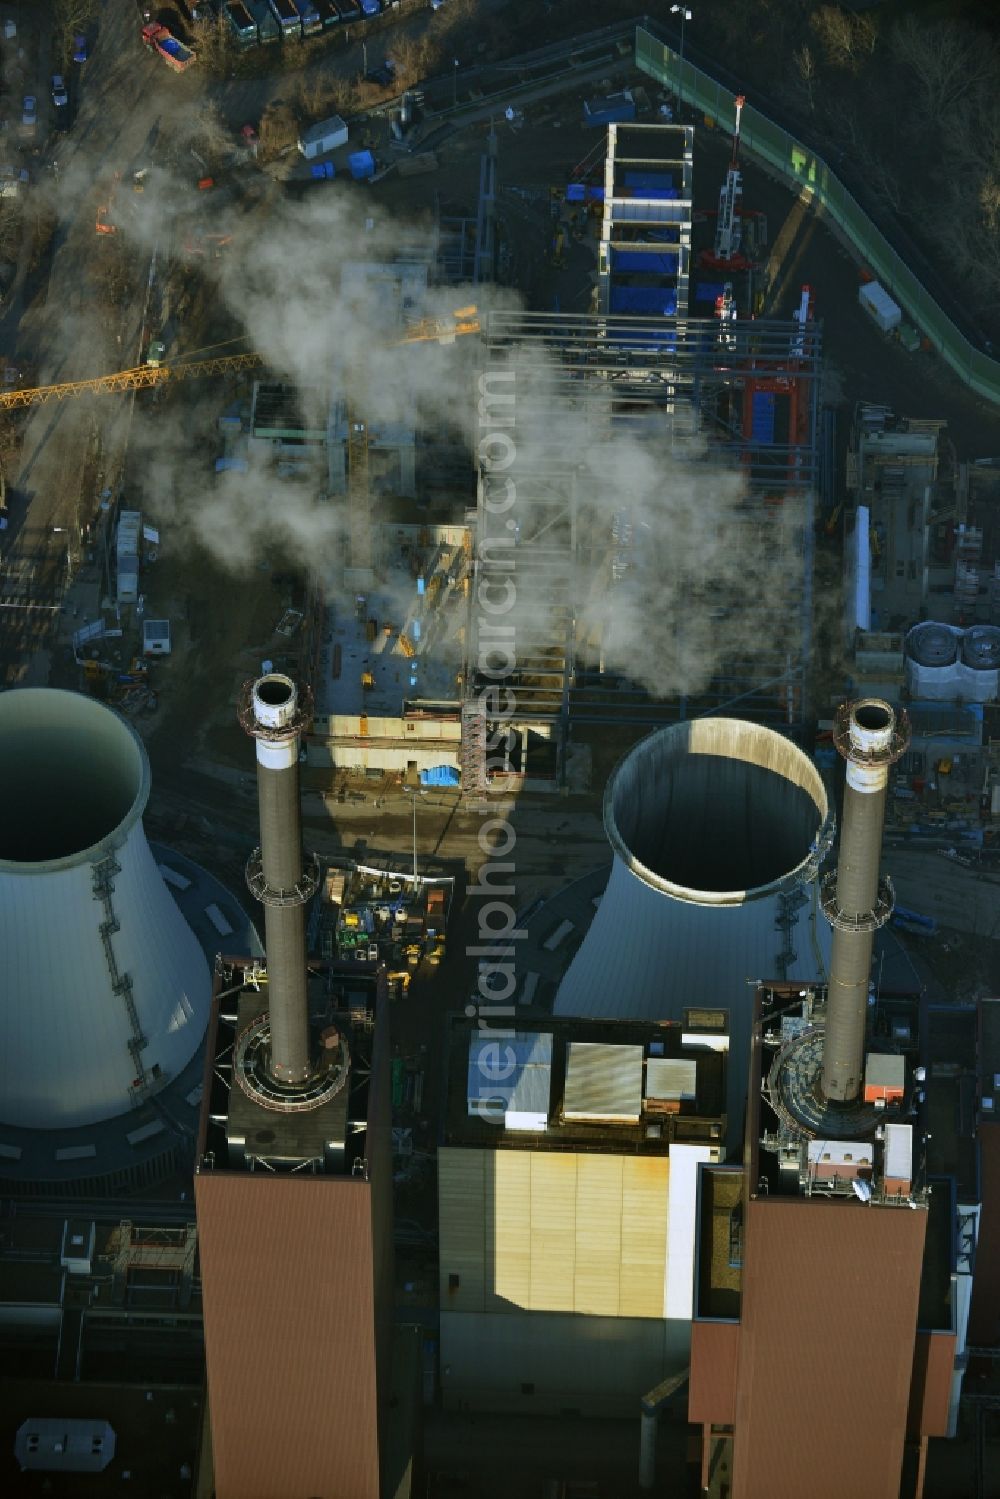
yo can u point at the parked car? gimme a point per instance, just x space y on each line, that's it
29 113
382 75
60 98
80 49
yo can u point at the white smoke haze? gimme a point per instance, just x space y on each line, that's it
700 574
702 570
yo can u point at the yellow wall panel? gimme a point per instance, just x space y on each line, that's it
598 1234
462 1209
553 1231
511 1250
645 1184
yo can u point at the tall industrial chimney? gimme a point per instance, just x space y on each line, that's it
272 714
871 737
718 828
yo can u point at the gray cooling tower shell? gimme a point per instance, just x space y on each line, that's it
718 829
101 975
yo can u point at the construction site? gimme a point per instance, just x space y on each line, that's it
505 711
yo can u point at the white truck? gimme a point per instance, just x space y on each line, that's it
879 306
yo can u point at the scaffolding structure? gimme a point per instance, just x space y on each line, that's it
679 383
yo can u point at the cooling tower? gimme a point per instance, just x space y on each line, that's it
106 989
718 828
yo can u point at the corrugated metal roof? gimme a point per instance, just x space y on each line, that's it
288 1293
510 1075
671 1078
899 1151
829 1316
885 1070
603 1082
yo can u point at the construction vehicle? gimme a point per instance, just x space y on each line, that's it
726 252
174 53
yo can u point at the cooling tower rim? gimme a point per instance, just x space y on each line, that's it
72 710
760 746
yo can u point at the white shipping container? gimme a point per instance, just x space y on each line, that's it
879 305
899 1151
325 136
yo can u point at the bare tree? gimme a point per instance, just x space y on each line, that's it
948 59
68 18
279 129
806 71
213 42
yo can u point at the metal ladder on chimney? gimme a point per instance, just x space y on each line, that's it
104 874
789 903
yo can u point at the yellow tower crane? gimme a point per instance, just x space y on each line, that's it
146 376
142 378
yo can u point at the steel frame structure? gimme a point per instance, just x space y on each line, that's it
564 372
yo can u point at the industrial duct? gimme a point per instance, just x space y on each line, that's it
718 828
106 989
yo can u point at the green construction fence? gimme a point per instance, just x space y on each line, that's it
797 164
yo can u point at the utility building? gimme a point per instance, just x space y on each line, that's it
825 1338
566 1188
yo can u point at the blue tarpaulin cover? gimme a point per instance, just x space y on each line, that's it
440 775
362 165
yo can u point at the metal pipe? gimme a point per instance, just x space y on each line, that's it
276 874
871 737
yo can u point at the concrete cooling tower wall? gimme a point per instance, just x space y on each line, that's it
105 988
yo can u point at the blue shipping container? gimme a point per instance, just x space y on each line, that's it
762 416
610 111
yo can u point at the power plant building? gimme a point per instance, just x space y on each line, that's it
810 1374
567 1185
824 1339
293 1185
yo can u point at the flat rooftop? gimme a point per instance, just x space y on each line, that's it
404 638
571 1084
